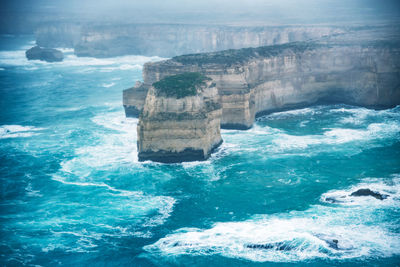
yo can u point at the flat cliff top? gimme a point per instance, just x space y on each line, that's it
181 85
374 37
234 56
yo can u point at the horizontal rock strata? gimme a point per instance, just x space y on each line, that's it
180 126
167 40
358 69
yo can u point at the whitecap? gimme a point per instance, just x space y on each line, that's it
18 58
122 67
295 112
324 232
107 85
120 192
335 136
14 131
359 115
116 146
65 50
388 190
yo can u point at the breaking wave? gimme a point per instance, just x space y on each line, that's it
323 231
14 131
18 58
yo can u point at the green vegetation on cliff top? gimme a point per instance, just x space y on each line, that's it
180 85
234 56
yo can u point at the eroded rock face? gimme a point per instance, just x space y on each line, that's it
177 128
167 40
133 99
44 54
255 81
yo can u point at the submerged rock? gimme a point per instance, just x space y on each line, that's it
44 54
180 120
282 246
368 192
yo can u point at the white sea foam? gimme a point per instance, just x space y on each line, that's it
18 58
120 192
359 115
122 67
13 58
265 139
295 112
107 85
295 236
67 109
336 136
32 193
65 50
14 131
156 208
389 190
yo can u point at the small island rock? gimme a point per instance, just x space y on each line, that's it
44 54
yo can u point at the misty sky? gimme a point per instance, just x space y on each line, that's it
205 11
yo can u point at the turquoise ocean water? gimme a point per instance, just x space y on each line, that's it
73 193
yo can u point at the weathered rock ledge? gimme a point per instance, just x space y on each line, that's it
360 69
180 120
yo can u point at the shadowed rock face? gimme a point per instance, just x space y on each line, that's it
359 70
368 192
44 54
179 127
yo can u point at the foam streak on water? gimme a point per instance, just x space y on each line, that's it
72 191
300 235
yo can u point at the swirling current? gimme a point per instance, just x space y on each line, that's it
291 190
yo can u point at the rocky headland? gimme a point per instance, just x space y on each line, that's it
180 120
361 68
44 54
168 40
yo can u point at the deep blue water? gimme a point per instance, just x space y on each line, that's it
73 193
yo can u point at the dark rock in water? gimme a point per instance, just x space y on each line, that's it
282 246
331 200
368 192
333 243
44 54
334 200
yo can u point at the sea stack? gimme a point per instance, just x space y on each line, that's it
180 120
44 54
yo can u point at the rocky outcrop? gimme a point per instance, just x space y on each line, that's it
167 40
359 69
133 99
365 192
180 120
44 54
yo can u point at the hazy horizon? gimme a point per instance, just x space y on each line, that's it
19 15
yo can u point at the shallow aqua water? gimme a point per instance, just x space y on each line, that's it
73 192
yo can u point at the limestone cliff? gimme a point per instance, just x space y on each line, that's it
357 70
169 40
133 99
180 120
